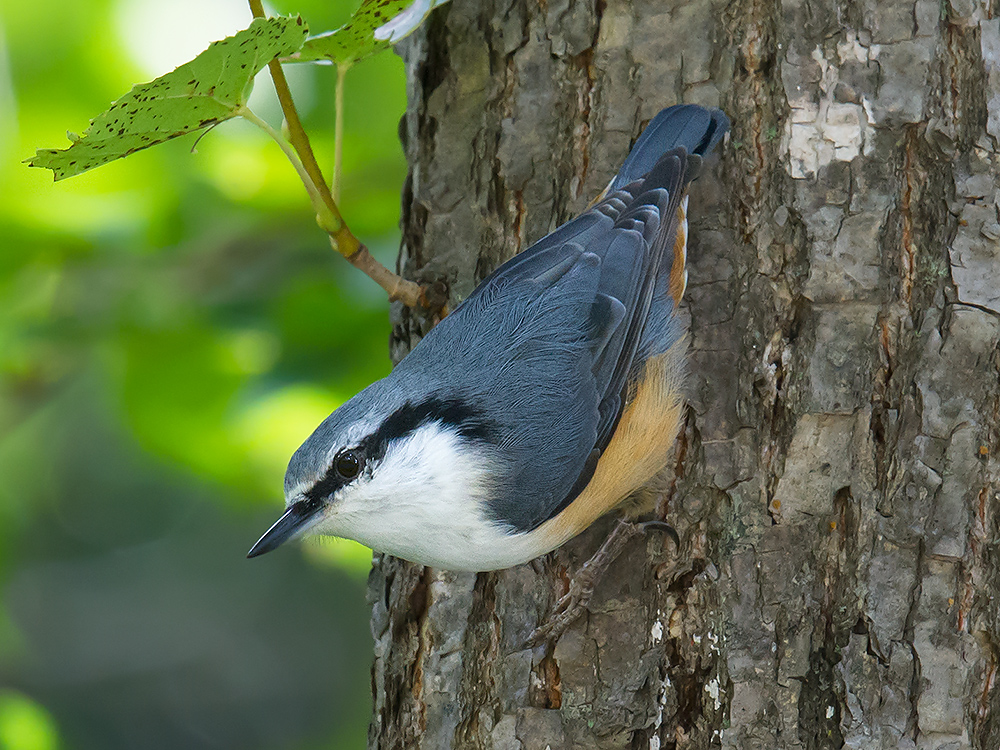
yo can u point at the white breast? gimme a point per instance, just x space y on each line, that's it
425 501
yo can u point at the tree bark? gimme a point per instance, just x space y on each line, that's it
836 480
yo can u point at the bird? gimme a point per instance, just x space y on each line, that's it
544 400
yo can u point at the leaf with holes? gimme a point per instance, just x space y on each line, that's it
206 91
372 28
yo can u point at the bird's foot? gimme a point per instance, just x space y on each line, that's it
581 587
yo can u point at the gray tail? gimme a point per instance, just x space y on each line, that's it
695 128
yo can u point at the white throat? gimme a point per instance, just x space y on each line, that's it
425 501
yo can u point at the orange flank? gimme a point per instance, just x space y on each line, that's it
678 271
637 452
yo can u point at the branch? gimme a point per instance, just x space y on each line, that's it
409 293
341 238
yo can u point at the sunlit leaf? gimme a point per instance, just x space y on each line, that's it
372 28
406 22
206 91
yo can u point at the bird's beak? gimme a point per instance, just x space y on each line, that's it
299 517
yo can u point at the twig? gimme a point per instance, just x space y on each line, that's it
341 238
409 293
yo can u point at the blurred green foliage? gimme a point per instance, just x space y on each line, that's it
172 326
24 725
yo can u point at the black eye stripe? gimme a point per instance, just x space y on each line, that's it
459 415
330 483
336 477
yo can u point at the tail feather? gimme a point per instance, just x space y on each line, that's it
695 128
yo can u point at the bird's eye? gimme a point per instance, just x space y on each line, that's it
347 464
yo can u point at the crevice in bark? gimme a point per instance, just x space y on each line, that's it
477 694
986 714
433 69
964 82
915 686
413 220
982 575
820 702
401 709
545 690
752 27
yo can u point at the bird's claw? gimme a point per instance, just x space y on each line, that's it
581 587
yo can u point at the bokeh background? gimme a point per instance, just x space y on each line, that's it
171 327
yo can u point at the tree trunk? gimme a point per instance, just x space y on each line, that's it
836 478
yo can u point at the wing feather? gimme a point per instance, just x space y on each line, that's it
573 319
609 259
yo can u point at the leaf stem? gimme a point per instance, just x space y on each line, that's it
338 129
314 195
341 238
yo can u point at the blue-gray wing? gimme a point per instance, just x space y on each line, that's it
551 337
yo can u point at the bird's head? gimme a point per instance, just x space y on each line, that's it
385 469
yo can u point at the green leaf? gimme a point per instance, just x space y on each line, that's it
204 92
407 22
355 40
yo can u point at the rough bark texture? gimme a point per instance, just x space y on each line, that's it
837 478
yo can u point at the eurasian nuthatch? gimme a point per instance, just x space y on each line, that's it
551 394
